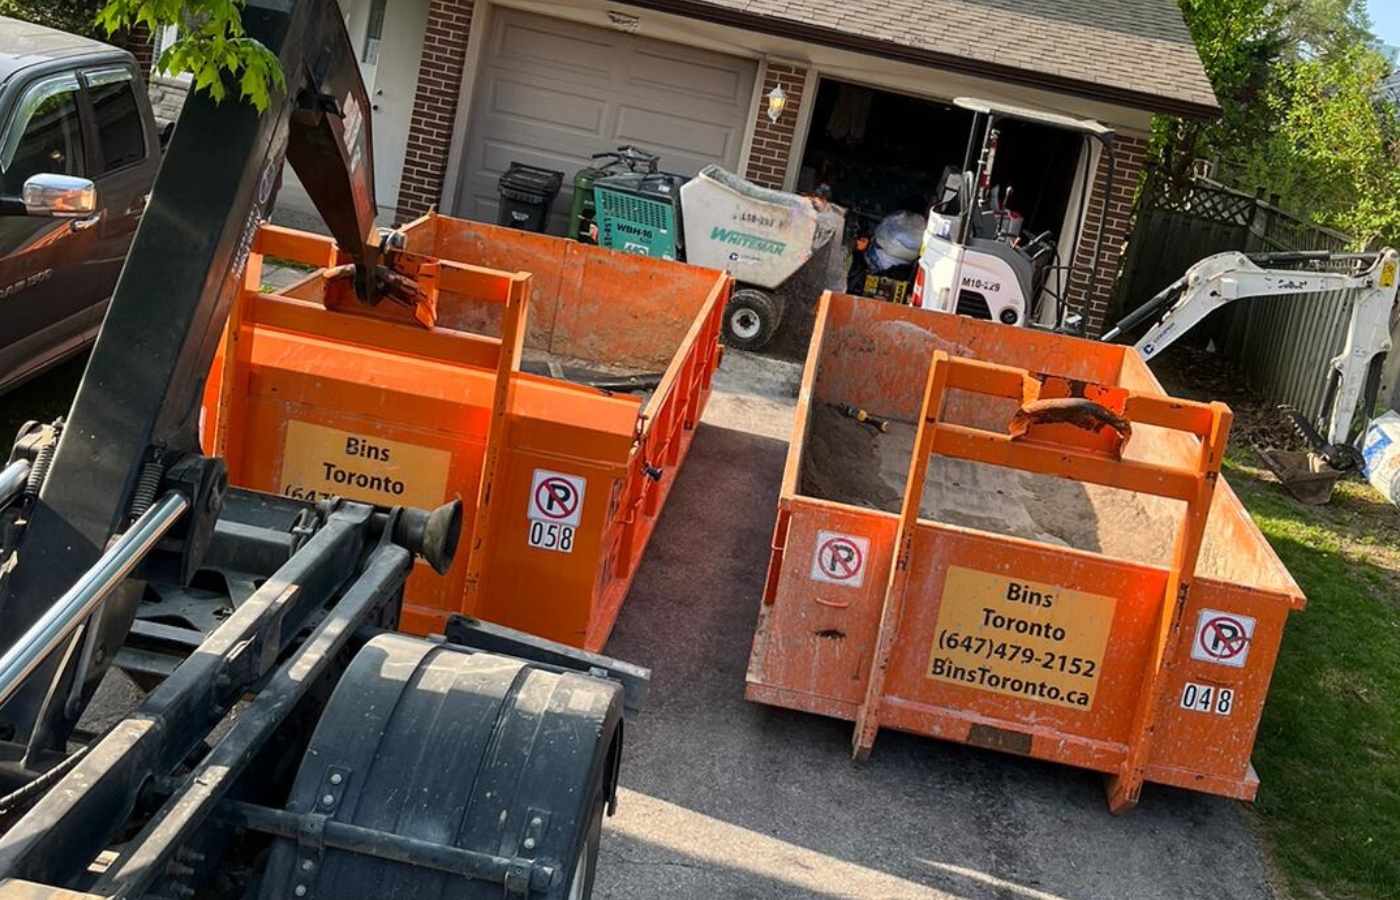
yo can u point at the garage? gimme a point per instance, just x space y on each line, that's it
551 93
884 155
881 152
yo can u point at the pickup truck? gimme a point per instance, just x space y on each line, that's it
79 151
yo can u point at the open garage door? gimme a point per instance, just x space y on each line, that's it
551 93
881 152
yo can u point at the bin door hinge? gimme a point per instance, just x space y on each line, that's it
778 550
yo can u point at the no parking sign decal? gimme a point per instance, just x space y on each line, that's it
1222 638
840 559
555 510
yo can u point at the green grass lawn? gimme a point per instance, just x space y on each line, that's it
1328 751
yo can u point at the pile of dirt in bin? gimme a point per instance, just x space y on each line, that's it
850 462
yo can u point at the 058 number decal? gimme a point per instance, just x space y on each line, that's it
1207 698
552 536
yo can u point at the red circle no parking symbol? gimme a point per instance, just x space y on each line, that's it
1223 638
556 498
840 559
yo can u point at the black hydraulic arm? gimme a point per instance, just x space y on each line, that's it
1167 295
137 409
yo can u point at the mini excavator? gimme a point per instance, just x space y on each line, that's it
1368 281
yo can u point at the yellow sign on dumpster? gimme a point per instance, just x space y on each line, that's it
320 462
1021 638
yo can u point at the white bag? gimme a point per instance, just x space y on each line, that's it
1382 454
898 238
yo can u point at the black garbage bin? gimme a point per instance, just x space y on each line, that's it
527 193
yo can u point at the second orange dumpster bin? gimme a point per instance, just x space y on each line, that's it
1037 556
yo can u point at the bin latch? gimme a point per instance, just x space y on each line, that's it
1063 412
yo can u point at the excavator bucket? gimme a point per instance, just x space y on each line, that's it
1304 474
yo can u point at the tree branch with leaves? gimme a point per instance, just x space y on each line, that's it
211 46
1303 115
74 16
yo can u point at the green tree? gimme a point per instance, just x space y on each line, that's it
1239 41
76 16
1331 154
211 45
1302 112
1322 27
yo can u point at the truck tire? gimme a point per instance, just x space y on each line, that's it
467 750
751 318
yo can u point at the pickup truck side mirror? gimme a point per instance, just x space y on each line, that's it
56 196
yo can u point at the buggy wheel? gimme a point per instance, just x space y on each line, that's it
751 318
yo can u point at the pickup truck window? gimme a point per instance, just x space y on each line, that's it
45 134
120 128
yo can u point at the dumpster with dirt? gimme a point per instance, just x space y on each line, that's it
553 386
1013 539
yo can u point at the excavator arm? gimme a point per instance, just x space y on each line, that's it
1224 278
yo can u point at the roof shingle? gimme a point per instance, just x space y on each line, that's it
1137 51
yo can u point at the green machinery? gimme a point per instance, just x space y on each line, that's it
583 211
641 213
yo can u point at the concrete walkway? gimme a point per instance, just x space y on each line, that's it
727 799
278 276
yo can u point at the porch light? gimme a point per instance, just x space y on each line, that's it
777 101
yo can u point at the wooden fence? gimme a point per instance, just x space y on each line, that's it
1282 345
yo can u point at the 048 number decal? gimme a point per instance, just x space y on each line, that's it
1206 698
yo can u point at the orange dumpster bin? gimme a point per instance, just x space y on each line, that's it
1034 553
553 386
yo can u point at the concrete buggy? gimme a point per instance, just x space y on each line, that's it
783 250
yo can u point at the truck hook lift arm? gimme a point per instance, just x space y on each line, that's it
133 429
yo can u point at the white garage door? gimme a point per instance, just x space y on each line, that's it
552 93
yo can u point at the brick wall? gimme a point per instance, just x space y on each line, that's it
167 92
1130 154
435 106
772 141
142 45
